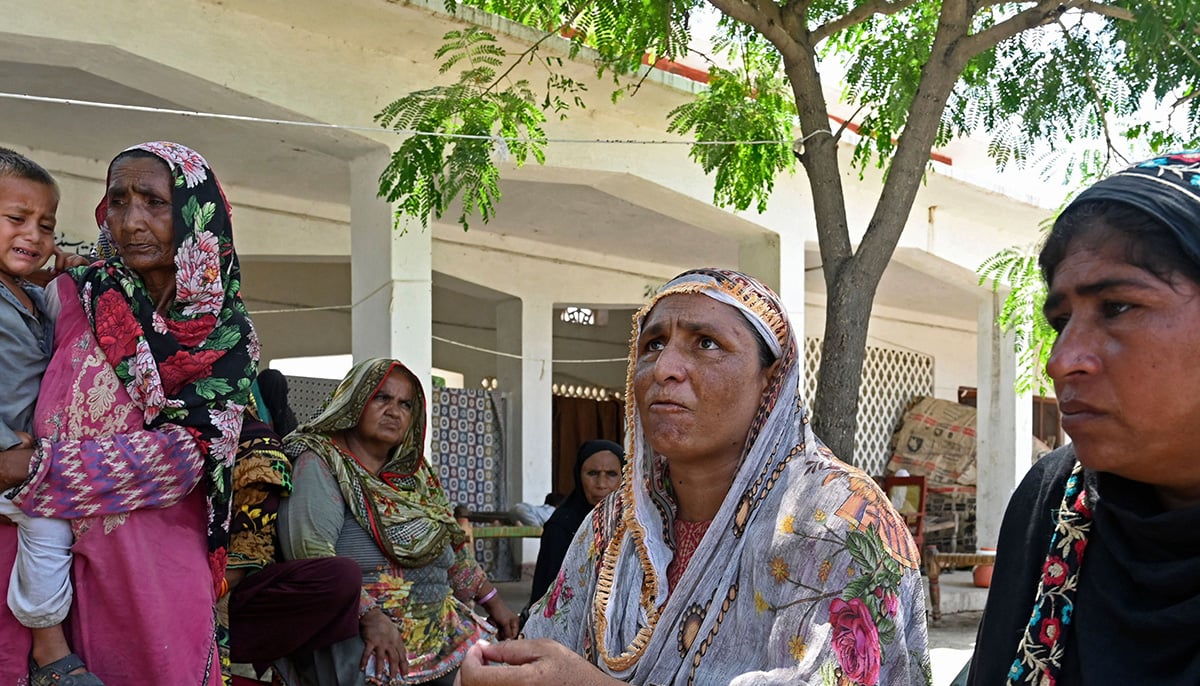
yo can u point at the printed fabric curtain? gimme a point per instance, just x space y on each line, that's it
467 452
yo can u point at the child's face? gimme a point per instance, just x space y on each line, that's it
26 225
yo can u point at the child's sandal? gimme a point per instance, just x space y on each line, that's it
58 673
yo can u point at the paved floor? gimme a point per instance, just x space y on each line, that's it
951 639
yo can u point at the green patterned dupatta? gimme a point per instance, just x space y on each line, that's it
404 507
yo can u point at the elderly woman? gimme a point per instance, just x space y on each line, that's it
1097 578
137 423
597 472
737 549
362 489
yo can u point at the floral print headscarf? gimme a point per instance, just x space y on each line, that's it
805 575
193 366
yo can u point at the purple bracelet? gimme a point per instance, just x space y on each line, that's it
490 594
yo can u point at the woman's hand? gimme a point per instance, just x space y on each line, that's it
62 262
382 641
14 466
527 663
65 260
507 623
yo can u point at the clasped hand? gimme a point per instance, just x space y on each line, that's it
540 662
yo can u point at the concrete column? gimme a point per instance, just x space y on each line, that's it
791 285
508 381
758 256
526 327
537 374
391 277
1005 424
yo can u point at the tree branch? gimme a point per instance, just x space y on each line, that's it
764 16
858 15
534 48
837 136
904 176
1040 14
796 7
1098 103
1107 11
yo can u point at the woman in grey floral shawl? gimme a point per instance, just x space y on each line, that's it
737 549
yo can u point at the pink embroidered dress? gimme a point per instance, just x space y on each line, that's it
143 609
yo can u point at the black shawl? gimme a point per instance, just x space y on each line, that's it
559 530
1136 615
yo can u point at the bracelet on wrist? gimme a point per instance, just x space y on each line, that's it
488 596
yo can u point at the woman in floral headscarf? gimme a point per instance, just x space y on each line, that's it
1097 577
363 489
737 549
137 423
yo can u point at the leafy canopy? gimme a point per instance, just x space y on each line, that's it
1079 79
1061 84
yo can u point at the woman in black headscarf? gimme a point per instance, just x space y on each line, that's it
597 472
1122 267
273 386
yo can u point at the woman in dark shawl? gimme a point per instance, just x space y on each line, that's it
275 410
598 467
1097 577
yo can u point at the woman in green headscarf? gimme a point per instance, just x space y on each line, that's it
362 489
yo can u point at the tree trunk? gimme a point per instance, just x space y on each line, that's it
852 276
835 412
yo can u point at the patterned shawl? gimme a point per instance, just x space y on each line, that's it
410 519
1167 188
805 575
192 367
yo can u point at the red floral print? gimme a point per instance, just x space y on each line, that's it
855 640
191 332
183 368
116 330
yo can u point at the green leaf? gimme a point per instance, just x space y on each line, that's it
207 211
865 548
484 123
887 629
210 387
191 210
223 338
858 587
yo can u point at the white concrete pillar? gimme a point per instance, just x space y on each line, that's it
758 256
1004 426
527 327
791 285
537 405
391 277
508 381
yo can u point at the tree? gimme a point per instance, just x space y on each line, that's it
919 72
